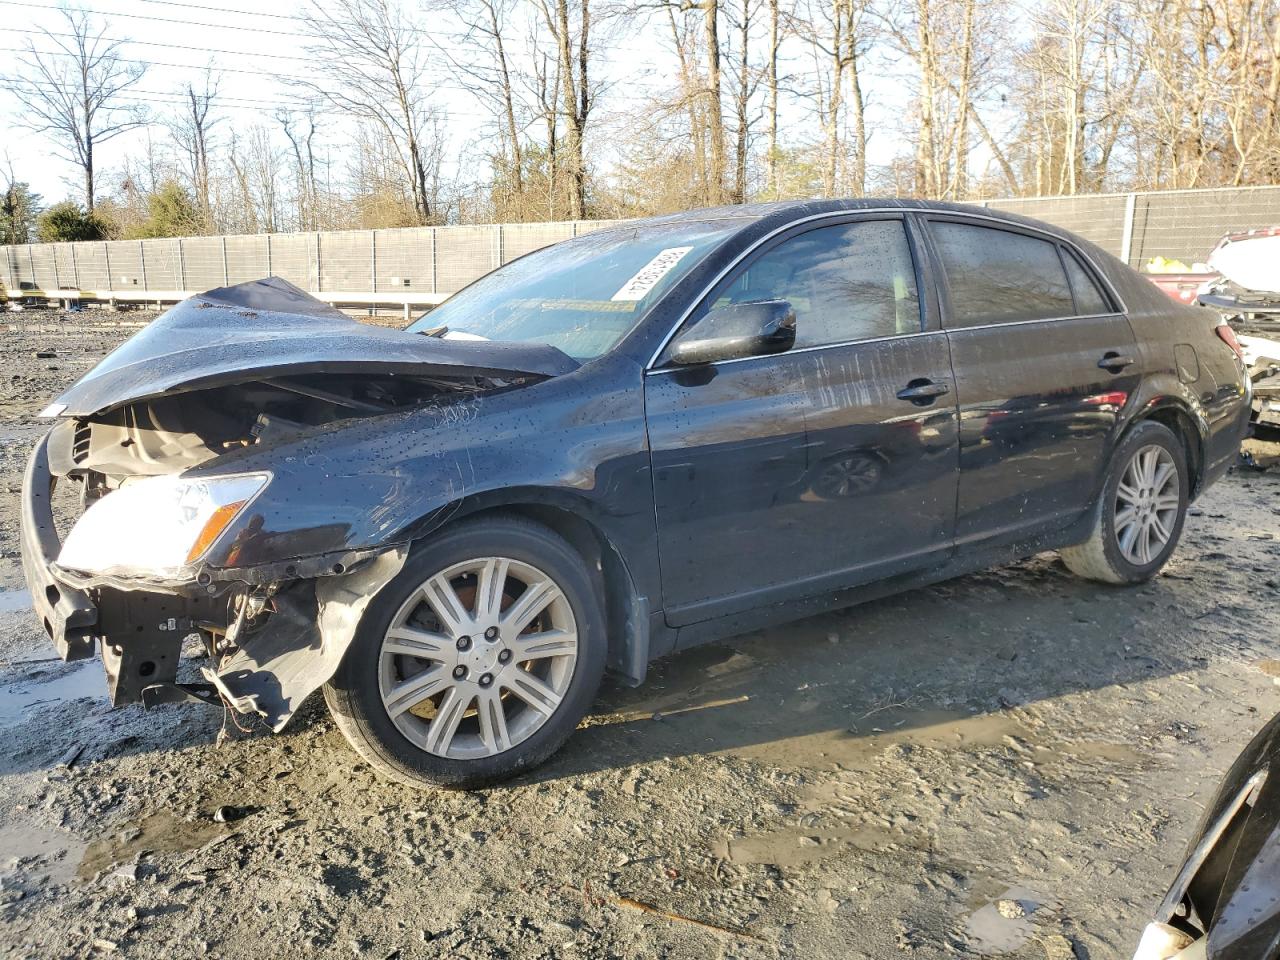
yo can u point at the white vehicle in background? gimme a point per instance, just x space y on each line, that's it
1248 295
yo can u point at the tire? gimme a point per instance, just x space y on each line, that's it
1104 556
465 733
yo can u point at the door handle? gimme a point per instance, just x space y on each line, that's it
922 392
1115 362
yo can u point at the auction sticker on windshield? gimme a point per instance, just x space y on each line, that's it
647 277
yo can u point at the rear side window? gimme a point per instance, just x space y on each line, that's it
854 281
1000 277
1089 299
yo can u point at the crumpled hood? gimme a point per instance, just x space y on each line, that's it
269 328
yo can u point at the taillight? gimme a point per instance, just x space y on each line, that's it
1228 336
1114 399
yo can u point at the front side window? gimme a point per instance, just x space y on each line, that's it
854 281
996 276
582 295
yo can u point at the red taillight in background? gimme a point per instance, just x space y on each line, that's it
1228 336
1114 399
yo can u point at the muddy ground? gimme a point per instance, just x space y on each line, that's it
864 784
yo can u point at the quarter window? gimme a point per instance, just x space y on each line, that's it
855 281
996 276
1089 299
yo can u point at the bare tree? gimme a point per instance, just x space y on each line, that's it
191 130
370 58
690 102
572 38
838 35
483 62
771 87
301 131
255 164
546 85
746 80
954 45
77 93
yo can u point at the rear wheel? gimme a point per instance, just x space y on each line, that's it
477 661
1139 517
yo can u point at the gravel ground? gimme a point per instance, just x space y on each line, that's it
1006 764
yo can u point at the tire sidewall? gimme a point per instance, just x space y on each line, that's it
356 680
1143 435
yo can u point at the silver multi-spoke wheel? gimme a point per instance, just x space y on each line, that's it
1147 504
478 658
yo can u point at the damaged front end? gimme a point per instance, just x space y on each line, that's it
139 528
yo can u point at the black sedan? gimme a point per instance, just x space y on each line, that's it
611 449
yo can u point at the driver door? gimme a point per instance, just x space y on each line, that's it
778 477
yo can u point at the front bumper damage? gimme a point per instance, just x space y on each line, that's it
274 632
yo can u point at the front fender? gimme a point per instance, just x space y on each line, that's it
576 441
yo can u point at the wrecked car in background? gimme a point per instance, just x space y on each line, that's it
1224 902
1247 293
608 450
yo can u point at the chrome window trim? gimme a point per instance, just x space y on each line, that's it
651 366
1023 323
1091 266
788 353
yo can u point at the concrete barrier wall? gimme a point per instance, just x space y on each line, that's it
1180 224
1183 224
414 260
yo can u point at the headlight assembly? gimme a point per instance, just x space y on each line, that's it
157 525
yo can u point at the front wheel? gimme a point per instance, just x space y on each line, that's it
477 661
1139 516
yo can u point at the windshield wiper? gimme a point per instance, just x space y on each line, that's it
436 332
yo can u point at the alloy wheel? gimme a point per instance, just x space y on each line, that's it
478 658
1146 507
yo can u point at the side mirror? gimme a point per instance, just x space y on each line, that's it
738 330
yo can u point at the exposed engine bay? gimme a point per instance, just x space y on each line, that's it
132 525
259 632
168 434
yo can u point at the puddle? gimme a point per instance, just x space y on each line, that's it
1102 750
864 739
1270 668
799 845
24 690
158 833
1004 924
38 854
15 601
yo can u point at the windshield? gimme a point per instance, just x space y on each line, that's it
582 295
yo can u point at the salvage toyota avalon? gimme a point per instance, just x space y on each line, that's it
608 450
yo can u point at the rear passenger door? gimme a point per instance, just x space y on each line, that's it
1044 362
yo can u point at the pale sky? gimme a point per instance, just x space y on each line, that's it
255 50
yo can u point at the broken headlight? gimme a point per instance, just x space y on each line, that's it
157 525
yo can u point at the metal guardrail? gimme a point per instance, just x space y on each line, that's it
405 302
420 266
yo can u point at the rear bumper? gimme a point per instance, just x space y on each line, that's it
67 613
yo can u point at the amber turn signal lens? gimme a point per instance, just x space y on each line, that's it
212 528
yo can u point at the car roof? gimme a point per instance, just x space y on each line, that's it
781 212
